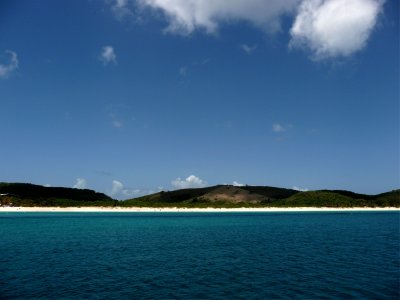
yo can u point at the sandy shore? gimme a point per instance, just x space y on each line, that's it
175 209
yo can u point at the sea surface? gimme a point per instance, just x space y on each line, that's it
309 255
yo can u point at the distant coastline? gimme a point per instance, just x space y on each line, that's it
181 209
30 197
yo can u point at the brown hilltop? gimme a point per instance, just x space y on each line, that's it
232 194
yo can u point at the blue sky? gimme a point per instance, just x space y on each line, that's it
129 97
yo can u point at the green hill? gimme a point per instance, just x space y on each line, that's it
388 199
26 194
260 196
23 194
215 196
321 199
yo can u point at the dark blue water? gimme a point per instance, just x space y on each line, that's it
200 256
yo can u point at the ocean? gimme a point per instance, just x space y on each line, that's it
308 255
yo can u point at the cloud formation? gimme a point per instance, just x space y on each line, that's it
121 9
12 64
326 28
135 192
118 190
118 124
186 16
300 189
235 183
119 115
332 28
80 183
117 187
278 128
190 182
108 55
248 49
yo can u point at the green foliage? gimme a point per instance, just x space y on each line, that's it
340 199
319 199
27 190
390 199
190 198
23 194
20 194
270 192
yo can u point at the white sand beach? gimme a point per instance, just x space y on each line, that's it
176 209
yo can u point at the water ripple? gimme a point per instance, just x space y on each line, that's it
192 256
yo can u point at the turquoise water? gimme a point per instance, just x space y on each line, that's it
200 255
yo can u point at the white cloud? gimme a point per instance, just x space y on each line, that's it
328 28
189 68
118 190
119 115
117 187
80 183
118 124
235 183
131 192
185 16
331 28
248 49
300 189
121 9
12 64
47 185
190 182
108 55
278 128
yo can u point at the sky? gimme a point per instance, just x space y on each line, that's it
129 97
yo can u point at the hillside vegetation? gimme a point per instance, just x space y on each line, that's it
216 196
262 196
23 194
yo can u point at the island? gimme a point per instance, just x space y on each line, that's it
26 195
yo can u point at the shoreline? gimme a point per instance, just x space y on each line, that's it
182 209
